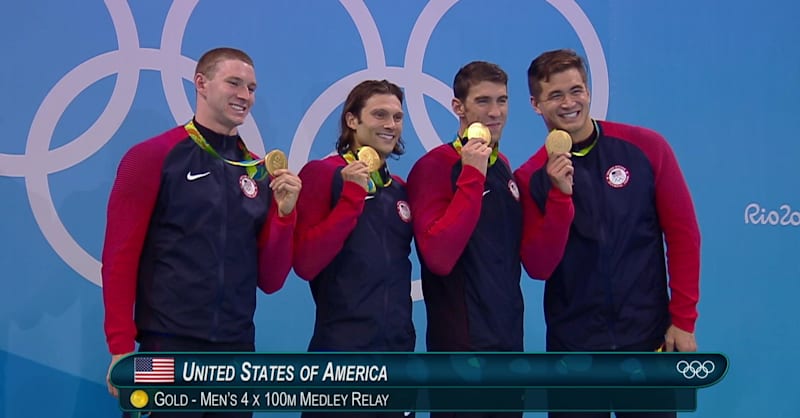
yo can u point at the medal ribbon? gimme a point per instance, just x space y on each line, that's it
255 168
459 142
375 178
585 150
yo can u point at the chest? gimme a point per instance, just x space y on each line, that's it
613 185
195 183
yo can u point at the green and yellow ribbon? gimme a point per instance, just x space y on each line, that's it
255 168
457 144
585 150
375 178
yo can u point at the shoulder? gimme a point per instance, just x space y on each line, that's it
637 135
443 154
325 165
168 138
534 163
652 144
157 147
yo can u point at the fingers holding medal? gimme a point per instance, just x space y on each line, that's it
370 157
358 169
559 164
477 150
477 130
275 160
285 185
558 142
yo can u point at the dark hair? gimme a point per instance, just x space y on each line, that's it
474 73
355 104
552 62
207 65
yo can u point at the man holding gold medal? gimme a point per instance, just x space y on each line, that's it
195 224
353 235
467 225
610 288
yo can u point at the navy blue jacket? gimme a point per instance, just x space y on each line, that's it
468 231
359 272
610 290
186 244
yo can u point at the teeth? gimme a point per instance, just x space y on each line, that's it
570 115
238 107
386 136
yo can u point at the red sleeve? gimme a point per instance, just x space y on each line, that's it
443 220
130 205
544 235
677 218
275 249
322 230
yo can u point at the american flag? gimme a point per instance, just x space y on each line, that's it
153 370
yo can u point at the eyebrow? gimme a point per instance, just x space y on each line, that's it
573 87
239 79
505 96
383 109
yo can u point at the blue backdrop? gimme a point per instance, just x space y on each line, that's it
83 81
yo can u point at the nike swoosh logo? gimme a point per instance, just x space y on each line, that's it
369 196
485 192
405 414
193 177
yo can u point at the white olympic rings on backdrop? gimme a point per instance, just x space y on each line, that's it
130 59
127 61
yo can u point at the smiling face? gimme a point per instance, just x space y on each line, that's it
564 103
225 95
487 103
379 124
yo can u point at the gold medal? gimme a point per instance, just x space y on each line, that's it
370 157
558 142
477 130
139 398
275 160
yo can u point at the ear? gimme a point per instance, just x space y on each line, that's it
352 120
535 105
200 83
458 107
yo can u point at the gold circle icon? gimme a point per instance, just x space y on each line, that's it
139 398
370 157
477 130
275 160
558 142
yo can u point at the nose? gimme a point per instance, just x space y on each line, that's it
494 110
391 123
568 100
244 92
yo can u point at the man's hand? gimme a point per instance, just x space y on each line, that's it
677 339
285 188
561 171
476 153
114 359
357 172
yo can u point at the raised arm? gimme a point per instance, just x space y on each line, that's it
545 228
322 230
443 219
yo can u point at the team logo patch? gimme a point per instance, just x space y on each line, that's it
617 176
249 186
512 187
404 210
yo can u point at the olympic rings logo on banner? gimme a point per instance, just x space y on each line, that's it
695 368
